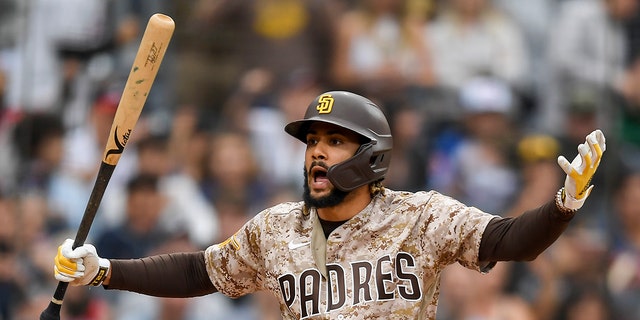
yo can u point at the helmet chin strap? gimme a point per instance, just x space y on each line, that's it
355 171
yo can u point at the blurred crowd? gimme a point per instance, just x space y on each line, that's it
482 97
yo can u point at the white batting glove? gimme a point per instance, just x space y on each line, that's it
80 266
577 185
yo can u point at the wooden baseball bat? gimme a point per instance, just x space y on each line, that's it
151 51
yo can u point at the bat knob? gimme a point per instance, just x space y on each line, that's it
52 312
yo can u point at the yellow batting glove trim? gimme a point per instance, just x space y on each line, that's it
587 160
583 181
598 152
64 265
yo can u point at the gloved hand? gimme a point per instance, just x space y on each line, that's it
577 185
80 266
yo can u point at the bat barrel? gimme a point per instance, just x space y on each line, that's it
162 20
144 69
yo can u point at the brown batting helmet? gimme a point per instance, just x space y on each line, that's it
360 115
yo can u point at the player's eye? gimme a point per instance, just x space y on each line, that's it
311 141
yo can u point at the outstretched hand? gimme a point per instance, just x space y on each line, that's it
580 171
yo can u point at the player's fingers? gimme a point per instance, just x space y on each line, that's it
80 265
565 165
77 253
585 154
597 146
67 278
64 263
62 277
596 152
66 248
602 141
68 243
66 273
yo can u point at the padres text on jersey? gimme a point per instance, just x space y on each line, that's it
378 265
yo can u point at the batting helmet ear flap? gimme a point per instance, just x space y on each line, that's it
358 170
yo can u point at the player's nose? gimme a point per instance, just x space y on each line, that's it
319 151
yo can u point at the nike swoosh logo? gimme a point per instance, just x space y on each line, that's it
293 245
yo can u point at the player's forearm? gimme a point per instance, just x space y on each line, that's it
523 237
177 275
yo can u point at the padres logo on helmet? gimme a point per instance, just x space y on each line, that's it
325 103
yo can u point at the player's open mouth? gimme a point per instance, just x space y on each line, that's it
319 177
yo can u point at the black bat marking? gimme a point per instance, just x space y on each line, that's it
120 146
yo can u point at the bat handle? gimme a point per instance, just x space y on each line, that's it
52 312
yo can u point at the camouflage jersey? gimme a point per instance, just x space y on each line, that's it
384 263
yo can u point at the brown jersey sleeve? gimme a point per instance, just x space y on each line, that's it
523 237
175 275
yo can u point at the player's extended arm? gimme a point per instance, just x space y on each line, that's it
176 275
528 235
525 237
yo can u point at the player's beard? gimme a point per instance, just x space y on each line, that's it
334 197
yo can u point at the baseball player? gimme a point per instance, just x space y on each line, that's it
352 249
